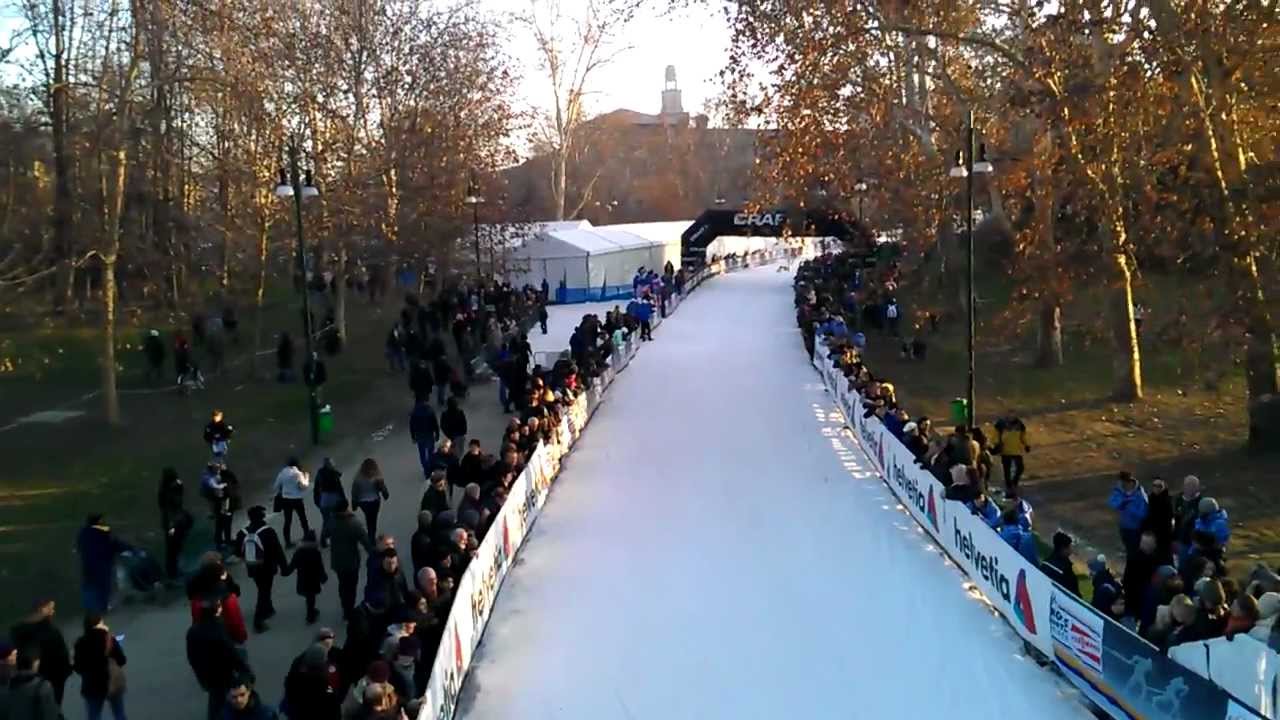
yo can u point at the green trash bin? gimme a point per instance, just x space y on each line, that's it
324 422
959 411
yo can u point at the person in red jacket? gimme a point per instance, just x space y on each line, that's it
212 582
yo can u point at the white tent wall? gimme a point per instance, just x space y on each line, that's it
665 235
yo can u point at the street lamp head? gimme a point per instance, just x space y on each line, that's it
309 189
861 187
720 200
957 170
284 189
471 200
981 164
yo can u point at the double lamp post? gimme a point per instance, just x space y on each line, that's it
296 183
970 161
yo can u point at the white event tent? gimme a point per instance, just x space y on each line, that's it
584 263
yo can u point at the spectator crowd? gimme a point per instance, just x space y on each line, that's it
1173 586
394 594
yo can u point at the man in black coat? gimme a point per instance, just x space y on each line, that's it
264 559
1058 565
39 631
1139 567
420 381
346 539
213 657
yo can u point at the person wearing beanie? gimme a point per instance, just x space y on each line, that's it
308 693
308 563
1211 614
1186 509
264 559
377 678
1129 501
1268 611
1058 565
1213 521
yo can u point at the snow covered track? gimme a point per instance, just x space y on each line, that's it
716 547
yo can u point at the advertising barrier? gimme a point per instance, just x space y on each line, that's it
477 592
1242 665
1118 671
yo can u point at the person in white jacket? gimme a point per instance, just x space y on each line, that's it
290 489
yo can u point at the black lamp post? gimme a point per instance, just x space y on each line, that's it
474 201
861 189
296 183
966 166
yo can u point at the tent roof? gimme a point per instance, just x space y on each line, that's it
661 233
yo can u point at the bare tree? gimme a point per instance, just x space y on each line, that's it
571 49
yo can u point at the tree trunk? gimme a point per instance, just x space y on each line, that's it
559 181
1127 359
263 235
110 397
224 203
340 293
63 205
1049 349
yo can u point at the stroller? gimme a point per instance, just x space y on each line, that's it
138 574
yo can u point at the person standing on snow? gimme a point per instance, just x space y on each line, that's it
264 558
290 489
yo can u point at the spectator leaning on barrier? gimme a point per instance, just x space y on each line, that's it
1058 565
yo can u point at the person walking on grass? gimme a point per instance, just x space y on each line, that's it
308 563
453 423
217 434
39 631
1011 445
214 659
98 549
424 431
290 490
368 490
153 348
348 536
175 521
99 660
264 558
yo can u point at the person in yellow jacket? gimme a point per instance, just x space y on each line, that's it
1011 444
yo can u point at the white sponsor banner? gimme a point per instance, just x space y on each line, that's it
477 592
1242 666
1014 586
1076 633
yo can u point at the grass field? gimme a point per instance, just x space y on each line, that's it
55 474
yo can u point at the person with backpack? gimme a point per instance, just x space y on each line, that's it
99 660
290 490
264 558
308 563
218 435
30 694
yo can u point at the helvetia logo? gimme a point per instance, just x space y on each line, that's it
931 510
910 486
1022 604
987 568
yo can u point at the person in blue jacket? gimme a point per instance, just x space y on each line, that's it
644 314
1129 501
1019 538
424 430
1213 520
982 506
